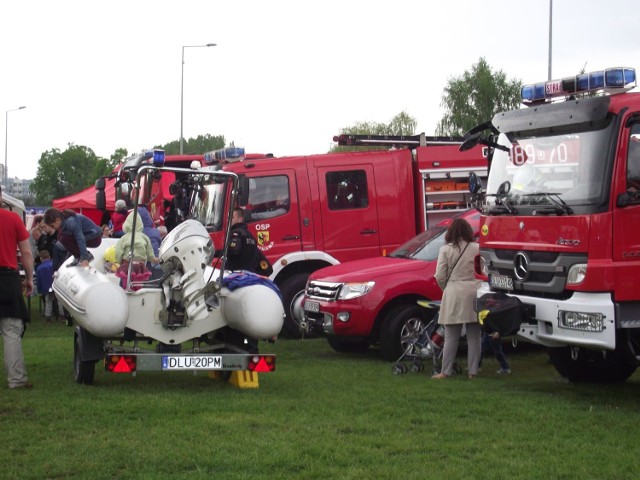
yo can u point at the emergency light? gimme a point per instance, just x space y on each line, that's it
229 154
611 80
158 158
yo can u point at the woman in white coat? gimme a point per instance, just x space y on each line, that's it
455 276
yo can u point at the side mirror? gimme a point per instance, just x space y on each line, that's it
101 198
243 191
471 142
475 183
623 200
504 188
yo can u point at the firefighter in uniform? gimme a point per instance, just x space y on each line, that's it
243 252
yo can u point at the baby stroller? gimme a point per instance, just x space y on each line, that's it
424 344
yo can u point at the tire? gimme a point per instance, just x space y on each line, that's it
292 290
348 345
400 329
592 366
83 371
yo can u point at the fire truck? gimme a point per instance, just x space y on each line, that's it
309 212
559 227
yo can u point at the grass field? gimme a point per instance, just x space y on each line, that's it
321 415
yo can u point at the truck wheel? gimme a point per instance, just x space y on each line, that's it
593 366
83 371
292 290
347 345
400 329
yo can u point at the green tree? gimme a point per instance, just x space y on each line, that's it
198 145
64 173
117 157
401 124
475 97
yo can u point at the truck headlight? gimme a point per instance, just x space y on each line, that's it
355 290
577 273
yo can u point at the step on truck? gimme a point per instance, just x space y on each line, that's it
559 228
188 316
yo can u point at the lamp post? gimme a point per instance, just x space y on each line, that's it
182 90
6 141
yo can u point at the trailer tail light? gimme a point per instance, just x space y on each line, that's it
120 363
262 363
611 80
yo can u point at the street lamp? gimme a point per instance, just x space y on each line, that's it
6 141
182 90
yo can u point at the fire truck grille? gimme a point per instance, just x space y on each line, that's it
323 290
533 273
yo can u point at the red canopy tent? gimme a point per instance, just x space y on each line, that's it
84 202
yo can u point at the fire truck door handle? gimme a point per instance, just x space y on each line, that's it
368 231
291 237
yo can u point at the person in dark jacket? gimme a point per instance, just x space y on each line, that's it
44 280
75 232
243 252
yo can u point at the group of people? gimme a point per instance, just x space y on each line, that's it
54 236
455 276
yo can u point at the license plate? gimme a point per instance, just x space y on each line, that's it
191 362
311 306
501 281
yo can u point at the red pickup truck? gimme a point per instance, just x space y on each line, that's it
373 301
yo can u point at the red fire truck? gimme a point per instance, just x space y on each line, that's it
559 228
309 212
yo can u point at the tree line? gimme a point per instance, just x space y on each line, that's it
467 100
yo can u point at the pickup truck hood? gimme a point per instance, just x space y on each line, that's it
367 269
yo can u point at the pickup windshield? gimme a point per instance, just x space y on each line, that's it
422 247
551 169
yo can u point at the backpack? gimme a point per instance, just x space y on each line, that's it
500 313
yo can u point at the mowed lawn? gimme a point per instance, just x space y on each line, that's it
320 415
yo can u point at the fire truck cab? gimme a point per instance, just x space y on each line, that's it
559 226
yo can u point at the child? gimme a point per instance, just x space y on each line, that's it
118 218
142 252
44 279
75 232
494 342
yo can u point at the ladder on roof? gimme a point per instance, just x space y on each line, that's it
420 140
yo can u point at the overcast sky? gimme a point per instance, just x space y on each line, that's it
284 77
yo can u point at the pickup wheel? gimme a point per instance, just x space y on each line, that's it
83 370
400 329
595 366
292 290
347 345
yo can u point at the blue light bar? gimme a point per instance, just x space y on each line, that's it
611 80
158 158
229 154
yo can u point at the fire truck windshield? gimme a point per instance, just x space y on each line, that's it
549 169
207 204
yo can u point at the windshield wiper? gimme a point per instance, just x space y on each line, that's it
560 207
